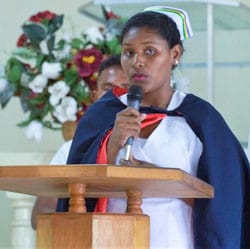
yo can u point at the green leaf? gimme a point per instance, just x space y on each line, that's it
110 47
39 60
14 70
24 100
24 53
80 92
71 77
6 95
114 46
36 113
24 123
77 43
45 110
48 124
35 32
26 56
38 100
60 45
55 24
51 44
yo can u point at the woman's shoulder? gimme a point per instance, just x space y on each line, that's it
195 102
199 110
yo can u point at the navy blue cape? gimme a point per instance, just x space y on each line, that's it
219 223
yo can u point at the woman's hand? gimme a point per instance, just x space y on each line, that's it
137 163
127 124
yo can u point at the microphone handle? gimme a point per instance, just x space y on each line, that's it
128 147
134 98
134 104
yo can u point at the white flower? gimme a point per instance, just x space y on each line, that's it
58 90
3 84
34 131
94 34
67 110
24 80
67 37
38 83
44 47
64 53
51 70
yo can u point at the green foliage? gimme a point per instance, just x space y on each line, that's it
39 46
35 31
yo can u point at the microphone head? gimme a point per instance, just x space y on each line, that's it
134 93
134 97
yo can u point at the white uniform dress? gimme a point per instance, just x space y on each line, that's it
62 153
172 144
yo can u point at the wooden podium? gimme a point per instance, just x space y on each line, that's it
80 230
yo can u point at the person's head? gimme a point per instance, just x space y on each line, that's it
110 74
151 48
160 23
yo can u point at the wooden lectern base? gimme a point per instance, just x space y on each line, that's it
80 230
92 231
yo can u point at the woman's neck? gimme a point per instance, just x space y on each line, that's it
161 100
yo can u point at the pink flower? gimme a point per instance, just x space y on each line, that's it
88 61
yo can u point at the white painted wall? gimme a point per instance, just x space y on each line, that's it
231 79
232 85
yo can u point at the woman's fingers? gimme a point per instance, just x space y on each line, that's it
127 123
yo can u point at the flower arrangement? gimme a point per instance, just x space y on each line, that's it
52 77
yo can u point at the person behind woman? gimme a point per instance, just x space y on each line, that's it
110 74
171 129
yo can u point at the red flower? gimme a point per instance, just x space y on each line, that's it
108 14
88 61
22 41
40 16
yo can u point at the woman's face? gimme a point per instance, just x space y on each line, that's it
148 61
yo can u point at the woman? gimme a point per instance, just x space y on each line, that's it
172 129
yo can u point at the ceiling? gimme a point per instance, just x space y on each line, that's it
235 15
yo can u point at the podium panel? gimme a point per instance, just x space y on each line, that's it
92 231
80 230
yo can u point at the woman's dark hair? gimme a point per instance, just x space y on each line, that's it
161 23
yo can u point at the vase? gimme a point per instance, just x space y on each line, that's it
68 129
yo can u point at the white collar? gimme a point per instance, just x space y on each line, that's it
175 101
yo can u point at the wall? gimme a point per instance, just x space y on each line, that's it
231 75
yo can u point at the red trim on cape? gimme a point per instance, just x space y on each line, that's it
102 203
152 118
119 91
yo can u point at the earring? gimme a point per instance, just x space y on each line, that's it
176 62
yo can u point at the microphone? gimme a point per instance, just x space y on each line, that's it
134 98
